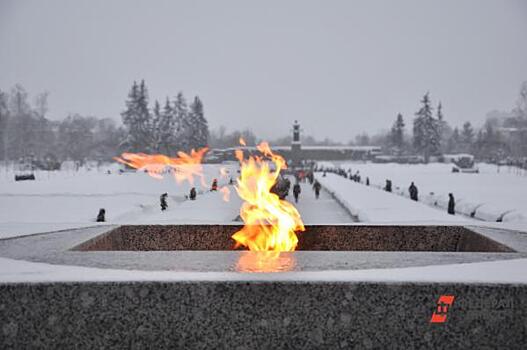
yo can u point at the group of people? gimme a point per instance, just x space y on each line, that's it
282 186
316 187
412 190
356 177
192 195
414 195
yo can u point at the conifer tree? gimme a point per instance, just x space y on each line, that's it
397 133
426 130
467 137
167 128
156 128
444 130
137 120
183 124
454 141
200 135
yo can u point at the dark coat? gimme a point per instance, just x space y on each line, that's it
163 201
296 189
451 205
413 192
192 194
101 216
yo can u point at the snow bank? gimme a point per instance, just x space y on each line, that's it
492 194
373 205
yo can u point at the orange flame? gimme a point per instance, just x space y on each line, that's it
226 193
270 223
185 166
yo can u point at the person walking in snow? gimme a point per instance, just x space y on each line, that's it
451 204
388 187
163 201
214 186
287 187
101 216
302 176
367 181
317 186
296 191
413 191
192 195
310 177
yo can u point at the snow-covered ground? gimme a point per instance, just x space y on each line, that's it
67 199
489 194
369 204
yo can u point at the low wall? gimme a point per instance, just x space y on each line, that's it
433 238
270 315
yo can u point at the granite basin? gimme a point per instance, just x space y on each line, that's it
314 238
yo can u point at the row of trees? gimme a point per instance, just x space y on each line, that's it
504 134
26 132
168 129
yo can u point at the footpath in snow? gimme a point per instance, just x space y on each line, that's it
373 205
324 210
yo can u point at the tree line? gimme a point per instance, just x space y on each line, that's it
26 132
503 134
174 127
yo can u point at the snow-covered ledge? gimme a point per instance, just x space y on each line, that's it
53 296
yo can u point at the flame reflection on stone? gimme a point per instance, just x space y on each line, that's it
265 261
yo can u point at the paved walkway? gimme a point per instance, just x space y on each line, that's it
324 210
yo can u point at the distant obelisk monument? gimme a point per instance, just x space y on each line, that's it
296 145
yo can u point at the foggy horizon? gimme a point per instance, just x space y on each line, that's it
340 70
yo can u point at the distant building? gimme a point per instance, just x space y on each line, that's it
296 152
296 155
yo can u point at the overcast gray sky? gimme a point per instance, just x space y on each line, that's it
340 67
